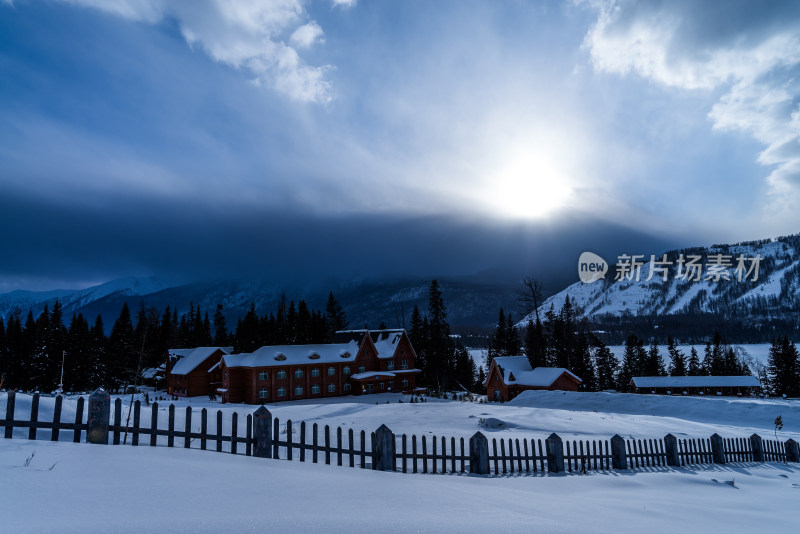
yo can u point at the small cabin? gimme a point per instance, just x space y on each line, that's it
511 375
729 386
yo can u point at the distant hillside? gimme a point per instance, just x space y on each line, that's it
469 302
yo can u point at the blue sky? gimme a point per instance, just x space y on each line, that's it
307 138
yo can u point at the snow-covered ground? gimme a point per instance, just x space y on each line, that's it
89 488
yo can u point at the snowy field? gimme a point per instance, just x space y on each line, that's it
176 490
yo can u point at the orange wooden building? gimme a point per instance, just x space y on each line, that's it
511 375
192 371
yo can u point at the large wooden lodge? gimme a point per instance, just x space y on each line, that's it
357 362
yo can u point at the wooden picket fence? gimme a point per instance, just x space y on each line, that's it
264 436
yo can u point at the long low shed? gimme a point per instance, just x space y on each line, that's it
697 385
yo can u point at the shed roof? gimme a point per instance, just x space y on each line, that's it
694 381
188 359
281 355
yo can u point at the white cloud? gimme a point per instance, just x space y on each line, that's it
306 35
245 34
749 51
343 3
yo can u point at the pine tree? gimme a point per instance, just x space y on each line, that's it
122 365
654 365
335 316
783 368
439 356
695 369
535 344
606 364
632 362
582 363
677 365
220 328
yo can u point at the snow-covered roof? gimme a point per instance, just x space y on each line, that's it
371 374
386 342
695 381
189 359
280 355
517 370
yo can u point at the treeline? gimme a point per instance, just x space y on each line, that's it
559 339
32 351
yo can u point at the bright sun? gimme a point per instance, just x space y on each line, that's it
529 186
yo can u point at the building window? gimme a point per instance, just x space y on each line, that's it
390 365
403 364
298 390
347 386
263 375
331 371
383 386
225 375
405 383
361 368
370 387
281 392
263 394
315 389
281 374
391 384
346 370
331 388
298 373
315 372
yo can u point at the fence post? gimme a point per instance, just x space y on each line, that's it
792 451
757 446
10 401
382 450
555 453
262 433
671 448
717 449
479 454
97 419
619 458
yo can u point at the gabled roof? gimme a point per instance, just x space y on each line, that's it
695 381
517 370
385 340
281 355
188 359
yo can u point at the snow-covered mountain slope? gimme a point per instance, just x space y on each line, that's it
773 292
73 300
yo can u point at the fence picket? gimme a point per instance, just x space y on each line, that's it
137 409
219 431
56 419
315 443
203 428
327 445
276 438
34 416
117 419
188 427
302 441
424 455
234 431
289 439
153 423
248 448
339 446
351 447
363 451
462 455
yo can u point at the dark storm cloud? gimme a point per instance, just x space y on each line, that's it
142 237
